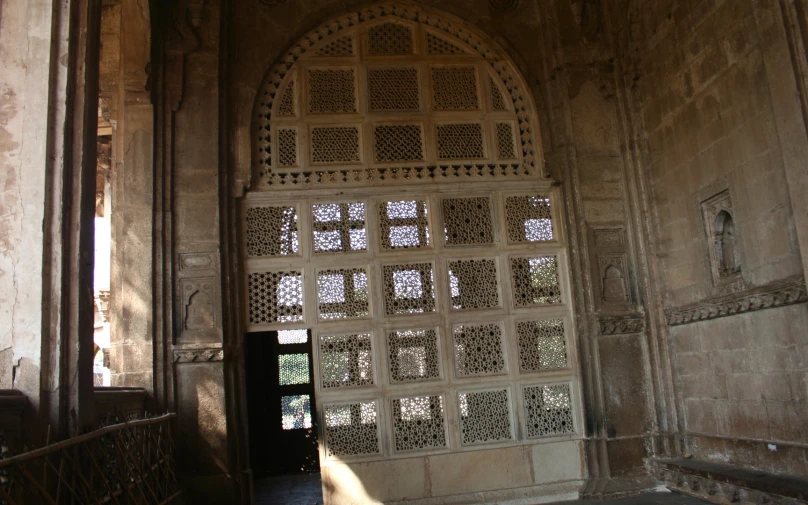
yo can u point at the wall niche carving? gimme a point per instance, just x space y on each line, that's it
723 242
198 317
612 269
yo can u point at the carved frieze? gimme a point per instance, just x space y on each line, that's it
198 355
777 294
621 325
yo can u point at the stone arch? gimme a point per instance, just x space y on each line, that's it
516 92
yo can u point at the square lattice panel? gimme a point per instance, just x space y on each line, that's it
460 141
542 345
454 88
332 91
485 416
418 423
339 227
548 410
535 281
398 143
272 231
351 429
391 89
275 297
529 219
474 284
346 360
335 144
478 350
467 221
404 224
413 355
408 288
342 293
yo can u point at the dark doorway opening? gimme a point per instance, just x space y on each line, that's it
280 402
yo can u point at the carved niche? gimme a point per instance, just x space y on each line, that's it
722 238
612 270
199 306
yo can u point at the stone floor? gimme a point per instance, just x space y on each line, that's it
305 490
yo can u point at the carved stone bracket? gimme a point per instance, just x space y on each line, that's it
621 325
776 294
198 355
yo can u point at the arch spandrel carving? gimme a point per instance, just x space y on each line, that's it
439 41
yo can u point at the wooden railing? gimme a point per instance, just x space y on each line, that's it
123 464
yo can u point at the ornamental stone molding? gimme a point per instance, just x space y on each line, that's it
776 294
621 325
199 355
265 176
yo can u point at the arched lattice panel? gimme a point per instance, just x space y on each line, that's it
392 93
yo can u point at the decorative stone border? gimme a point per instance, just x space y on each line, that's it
776 294
198 355
716 491
262 112
621 325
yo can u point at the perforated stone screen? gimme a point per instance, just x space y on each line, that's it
454 88
409 288
275 297
484 416
337 144
529 218
332 91
548 410
342 293
460 141
390 38
272 231
478 350
346 360
535 281
391 89
474 284
404 224
351 429
339 227
398 143
418 423
467 221
342 46
413 355
542 344
439 45
293 369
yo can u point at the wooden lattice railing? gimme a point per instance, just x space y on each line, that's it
123 464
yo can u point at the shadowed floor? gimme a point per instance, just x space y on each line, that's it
306 490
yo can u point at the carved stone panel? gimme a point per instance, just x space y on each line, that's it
611 269
722 238
199 319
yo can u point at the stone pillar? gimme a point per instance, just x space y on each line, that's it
131 296
189 132
47 158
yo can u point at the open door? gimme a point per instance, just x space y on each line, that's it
280 389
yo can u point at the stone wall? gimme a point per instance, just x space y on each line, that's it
712 83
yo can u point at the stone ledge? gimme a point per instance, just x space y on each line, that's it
775 294
722 483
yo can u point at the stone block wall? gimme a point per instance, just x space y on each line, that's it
712 95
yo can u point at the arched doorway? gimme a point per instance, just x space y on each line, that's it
400 221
